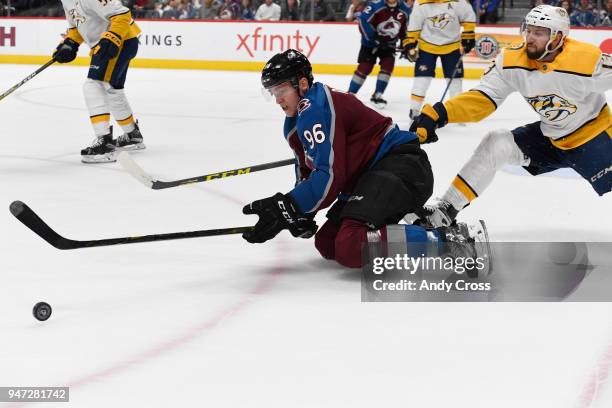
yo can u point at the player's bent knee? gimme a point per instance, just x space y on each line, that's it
499 148
92 86
349 241
325 240
365 68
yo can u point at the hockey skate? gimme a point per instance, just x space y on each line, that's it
130 141
102 150
463 240
440 214
378 101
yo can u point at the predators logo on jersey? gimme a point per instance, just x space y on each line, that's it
552 107
78 18
389 28
441 20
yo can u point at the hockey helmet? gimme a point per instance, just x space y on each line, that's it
554 18
287 66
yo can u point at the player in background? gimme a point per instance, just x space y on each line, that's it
564 81
434 30
382 24
109 30
349 154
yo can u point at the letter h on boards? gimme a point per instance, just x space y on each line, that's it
7 35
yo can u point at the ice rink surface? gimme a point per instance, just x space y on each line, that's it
216 322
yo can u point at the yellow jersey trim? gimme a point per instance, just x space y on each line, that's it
124 26
469 106
565 62
590 130
74 35
438 49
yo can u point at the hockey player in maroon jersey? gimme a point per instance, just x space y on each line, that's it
352 157
382 24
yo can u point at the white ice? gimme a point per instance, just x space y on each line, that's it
216 322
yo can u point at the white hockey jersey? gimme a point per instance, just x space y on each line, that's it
88 19
436 24
567 93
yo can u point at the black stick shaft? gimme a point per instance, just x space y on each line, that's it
26 79
159 185
452 76
31 220
161 237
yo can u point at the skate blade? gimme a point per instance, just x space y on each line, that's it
380 106
481 238
131 148
99 158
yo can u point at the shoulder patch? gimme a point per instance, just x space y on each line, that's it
303 105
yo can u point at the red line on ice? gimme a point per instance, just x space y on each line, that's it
597 380
262 286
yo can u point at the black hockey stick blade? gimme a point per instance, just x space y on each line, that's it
126 161
31 220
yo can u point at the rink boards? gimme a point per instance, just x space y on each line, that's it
242 46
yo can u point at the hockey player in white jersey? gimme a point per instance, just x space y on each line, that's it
564 81
434 30
109 30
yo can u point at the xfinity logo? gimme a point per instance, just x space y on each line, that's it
7 36
256 41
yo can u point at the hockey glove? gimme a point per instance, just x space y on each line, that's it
108 47
277 213
410 52
430 119
468 45
66 51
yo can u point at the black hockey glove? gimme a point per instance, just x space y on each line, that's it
468 45
66 51
277 213
430 119
108 47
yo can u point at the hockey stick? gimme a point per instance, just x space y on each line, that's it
26 79
137 172
29 218
452 76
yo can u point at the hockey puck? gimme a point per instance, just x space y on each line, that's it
42 311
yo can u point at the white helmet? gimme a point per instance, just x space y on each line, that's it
554 18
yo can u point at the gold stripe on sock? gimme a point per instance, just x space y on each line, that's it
126 121
104 117
468 192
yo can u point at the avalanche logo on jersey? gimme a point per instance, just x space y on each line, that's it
303 105
552 107
309 160
388 28
441 20
76 17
